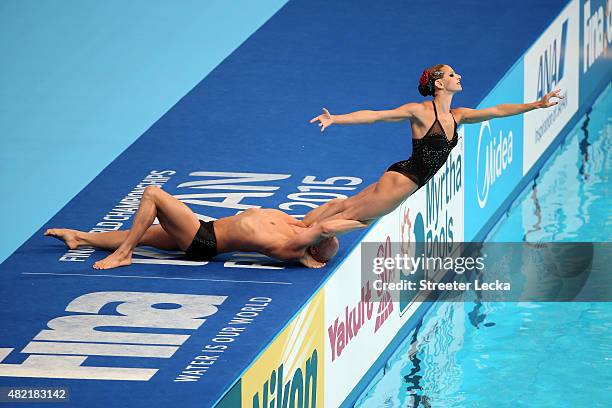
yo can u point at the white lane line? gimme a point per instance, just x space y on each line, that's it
155 277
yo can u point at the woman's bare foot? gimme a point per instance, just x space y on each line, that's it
114 260
69 236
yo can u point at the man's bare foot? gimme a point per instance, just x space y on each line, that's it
114 260
69 236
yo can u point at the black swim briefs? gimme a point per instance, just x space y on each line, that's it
204 244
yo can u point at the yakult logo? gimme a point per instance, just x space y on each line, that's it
377 304
493 158
597 33
341 332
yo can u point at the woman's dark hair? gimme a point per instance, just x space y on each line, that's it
429 76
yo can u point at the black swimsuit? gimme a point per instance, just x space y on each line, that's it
204 244
428 153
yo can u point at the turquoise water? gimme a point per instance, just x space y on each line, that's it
476 354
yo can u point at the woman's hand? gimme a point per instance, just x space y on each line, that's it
545 101
325 119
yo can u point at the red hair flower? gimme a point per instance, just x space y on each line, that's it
424 78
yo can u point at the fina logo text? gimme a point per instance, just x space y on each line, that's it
497 153
597 33
73 338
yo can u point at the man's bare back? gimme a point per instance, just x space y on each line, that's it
259 230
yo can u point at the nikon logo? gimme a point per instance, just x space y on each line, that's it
300 390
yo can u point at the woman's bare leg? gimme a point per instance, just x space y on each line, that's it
334 207
155 236
328 209
174 216
389 192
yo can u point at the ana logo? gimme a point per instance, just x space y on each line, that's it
493 157
299 391
552 63
73 338
597 33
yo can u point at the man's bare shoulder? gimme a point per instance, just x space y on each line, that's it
283 251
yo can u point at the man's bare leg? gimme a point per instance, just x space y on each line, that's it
174 216
155 237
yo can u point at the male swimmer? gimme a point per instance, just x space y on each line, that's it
270 232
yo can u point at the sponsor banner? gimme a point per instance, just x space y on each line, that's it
595 40
289 373
360 321
551 63
431 220
494 155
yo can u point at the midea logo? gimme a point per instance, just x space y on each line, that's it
497 157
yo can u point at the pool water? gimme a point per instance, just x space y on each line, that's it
479 354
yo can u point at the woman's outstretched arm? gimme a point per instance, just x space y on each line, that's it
404 112
466 115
